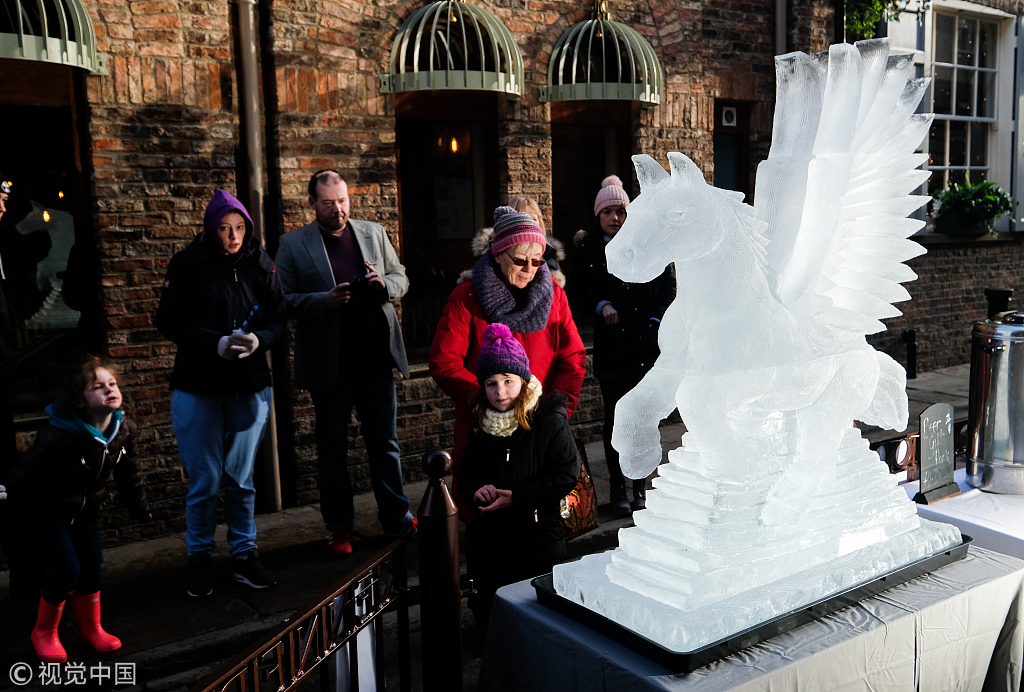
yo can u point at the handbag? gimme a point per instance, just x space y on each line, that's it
579 507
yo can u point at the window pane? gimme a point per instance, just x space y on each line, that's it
957 143
979 144
986 94
942 91
958 176
937 182
937 144
965 91
966 49
979 176
987 45
943 38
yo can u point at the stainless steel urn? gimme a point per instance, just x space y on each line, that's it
995 458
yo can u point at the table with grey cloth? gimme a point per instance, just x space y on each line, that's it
958 628
994 521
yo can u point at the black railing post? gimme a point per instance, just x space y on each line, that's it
440 591
910 339
998 300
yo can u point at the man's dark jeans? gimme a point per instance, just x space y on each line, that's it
372 392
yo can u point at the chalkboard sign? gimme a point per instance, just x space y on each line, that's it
936 447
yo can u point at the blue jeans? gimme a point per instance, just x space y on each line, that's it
74 560
218 437
373 395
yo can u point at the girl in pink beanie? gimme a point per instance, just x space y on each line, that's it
626 320
521 460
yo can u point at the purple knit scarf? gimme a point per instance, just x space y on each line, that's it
499 304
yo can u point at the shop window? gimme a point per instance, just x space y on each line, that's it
963 99
448 189
46 243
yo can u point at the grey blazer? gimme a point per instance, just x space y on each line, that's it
306 276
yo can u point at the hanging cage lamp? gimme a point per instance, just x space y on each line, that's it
454 45
57 31
603 59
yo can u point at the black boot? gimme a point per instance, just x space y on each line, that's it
639 495
620 505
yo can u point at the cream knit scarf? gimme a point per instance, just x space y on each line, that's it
504 423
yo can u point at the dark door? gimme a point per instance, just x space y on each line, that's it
448 189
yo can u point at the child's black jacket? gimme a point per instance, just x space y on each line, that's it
63 477
543 466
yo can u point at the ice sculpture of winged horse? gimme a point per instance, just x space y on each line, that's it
775 300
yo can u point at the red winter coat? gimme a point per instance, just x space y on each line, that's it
556 356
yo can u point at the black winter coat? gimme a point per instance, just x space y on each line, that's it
629 348
63 477
540 466
207 295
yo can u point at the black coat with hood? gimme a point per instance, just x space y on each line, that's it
64 476
540 466
208 294
627 349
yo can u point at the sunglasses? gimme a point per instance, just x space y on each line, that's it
521 262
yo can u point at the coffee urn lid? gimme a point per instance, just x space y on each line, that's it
1005 325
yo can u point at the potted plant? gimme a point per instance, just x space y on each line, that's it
971 209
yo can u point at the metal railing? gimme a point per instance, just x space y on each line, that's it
287 656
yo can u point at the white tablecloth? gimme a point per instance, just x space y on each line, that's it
958 628
994 521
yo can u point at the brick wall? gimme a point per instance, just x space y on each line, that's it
163 133
949 296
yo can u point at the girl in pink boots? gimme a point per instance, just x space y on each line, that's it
61 483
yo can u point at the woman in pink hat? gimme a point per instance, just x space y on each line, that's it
626 319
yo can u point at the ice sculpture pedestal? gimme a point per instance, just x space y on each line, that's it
949 630
667 623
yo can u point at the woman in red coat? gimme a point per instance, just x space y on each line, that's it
511 285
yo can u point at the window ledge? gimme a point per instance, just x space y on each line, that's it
930 240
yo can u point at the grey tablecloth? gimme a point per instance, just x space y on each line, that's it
958 628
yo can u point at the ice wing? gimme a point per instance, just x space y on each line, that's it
838 184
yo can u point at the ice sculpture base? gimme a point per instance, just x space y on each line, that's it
684 641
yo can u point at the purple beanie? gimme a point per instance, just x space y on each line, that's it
501 353
513 227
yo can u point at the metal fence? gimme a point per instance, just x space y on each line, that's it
343 626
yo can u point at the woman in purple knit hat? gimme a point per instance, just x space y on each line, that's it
520 461
220 402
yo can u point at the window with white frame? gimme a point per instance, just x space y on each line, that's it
963 99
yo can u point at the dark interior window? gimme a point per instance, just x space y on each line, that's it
46 241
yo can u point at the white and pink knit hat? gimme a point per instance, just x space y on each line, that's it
612 194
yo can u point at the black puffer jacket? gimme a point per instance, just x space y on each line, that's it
542 466
629 348
63 477
208 295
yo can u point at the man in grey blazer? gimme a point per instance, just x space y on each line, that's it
341 278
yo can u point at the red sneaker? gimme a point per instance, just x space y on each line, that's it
340 542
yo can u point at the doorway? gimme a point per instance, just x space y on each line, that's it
731 142
47 242
447 143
